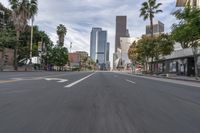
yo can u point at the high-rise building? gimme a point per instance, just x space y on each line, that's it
101 46
107 51
107 56
121 30
180 3
93 42
158 27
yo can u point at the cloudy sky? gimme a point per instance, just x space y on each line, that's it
79 16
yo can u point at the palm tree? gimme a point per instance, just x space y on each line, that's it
20 16
148 10
33 8
61 32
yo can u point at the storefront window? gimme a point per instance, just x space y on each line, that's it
173 66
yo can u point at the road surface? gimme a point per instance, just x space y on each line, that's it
96 102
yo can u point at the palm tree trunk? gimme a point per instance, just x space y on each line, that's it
151 25
31 45
16 51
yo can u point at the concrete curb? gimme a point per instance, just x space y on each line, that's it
196 81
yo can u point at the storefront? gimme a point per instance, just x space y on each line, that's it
180 62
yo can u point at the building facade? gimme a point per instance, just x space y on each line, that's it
179 62
121 30
107 51
121 60
181 3
77 58
158 28
99 48
107 56
93 42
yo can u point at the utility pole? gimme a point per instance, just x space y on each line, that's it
70 50
70 47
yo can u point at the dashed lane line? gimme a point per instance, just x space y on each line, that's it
130 81
78 81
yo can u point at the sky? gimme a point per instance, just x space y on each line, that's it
79 16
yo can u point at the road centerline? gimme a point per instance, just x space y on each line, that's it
78 81
130 81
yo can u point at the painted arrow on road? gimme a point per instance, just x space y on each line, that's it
59 80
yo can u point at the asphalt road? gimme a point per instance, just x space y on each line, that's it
101 102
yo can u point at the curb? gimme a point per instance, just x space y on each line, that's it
195 81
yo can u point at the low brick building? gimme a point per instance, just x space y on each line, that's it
8 58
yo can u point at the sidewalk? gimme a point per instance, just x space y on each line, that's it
182 78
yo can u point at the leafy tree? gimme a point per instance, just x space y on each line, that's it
150 48
38 36
61 32
20 16
132 53
32 12
148 11
59 56
187 31
145 49
166 44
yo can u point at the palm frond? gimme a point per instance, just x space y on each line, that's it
158 11
157 6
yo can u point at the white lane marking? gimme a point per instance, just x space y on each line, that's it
179 82
130 81
16 79
78 81
59 80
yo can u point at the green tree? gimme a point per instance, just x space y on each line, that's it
148 11
150 48
59 56
187 31
20 16
166 44
33 8
132 53
61 32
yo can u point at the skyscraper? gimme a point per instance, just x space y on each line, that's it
101 46
93 42
158 27
121 30
107 51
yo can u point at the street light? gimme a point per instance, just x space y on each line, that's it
70 48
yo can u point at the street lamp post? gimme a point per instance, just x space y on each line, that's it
70 48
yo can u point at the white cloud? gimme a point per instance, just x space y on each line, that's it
79 16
